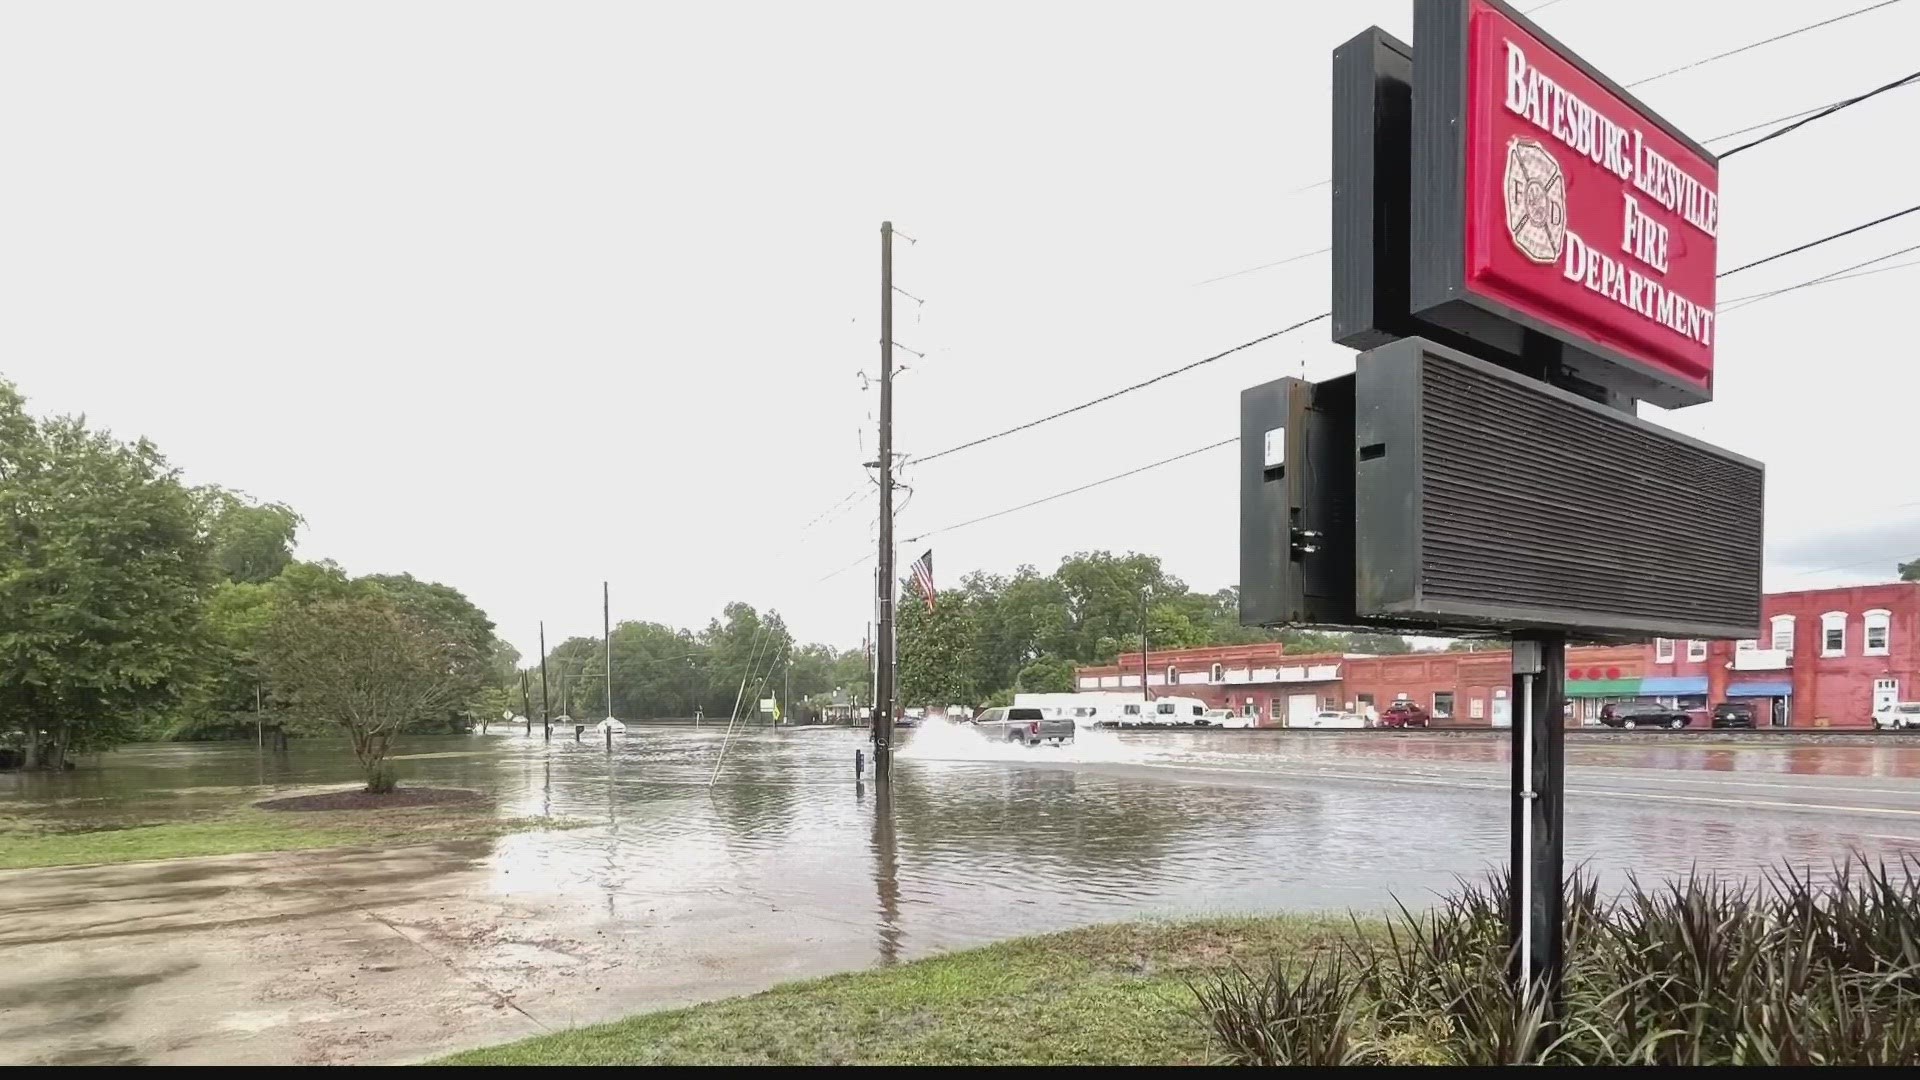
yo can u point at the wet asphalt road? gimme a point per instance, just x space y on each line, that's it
791 866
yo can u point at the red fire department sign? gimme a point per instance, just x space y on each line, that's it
1579 213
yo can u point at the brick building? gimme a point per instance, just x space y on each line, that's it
1828 657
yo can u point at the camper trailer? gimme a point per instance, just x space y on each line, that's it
1090 709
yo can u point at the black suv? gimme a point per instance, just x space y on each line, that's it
1730 714
1639 714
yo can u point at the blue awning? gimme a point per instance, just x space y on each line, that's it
1673 684
1760 689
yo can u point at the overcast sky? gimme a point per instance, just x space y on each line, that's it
523 296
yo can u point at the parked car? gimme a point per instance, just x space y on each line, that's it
1334 718
1901 714
1028 726
1405 714
1734 714
1227 718
1639 714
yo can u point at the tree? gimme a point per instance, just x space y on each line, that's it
103 573
252 541
464 630
1047 675
935 651
364 666
1910 571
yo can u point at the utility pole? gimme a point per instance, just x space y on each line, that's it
546 724
526 701
1144 695
606 631
883 689
259 728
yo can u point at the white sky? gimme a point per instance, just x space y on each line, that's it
523 296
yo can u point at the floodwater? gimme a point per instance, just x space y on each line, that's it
976 841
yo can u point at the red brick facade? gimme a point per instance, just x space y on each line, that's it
1816 680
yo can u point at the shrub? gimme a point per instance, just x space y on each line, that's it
382 778
1793 969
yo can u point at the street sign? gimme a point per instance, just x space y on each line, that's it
1546 198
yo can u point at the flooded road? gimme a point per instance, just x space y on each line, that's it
789 866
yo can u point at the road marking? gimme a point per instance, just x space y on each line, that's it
1605 793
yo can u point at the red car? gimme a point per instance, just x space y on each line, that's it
1404 714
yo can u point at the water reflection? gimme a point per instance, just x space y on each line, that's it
886 874
955 850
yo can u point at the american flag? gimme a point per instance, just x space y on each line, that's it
923 578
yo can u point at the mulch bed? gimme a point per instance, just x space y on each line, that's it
364 800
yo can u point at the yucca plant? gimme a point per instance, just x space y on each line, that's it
1309 1018
1797 968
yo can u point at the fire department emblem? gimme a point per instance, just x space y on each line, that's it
1536 196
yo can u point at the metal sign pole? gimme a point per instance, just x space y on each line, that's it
1537 884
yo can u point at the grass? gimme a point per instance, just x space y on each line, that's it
1103 995
30 842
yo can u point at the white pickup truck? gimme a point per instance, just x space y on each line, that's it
1030 726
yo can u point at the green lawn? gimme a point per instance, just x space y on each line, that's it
1104 995
26 842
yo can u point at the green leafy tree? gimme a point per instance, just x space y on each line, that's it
465 632
1047 675
1910 571
935 648
252 541
362 666
103 574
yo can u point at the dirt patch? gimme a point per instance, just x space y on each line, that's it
365 800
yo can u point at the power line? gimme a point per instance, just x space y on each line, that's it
1070 491
1826 112
1836 275
1766 41
1816 243
1316 318
1844 272
1224 353
1266 266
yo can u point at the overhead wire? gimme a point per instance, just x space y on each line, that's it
1184 368
1844 272
1904 80
1749 300
1069 491
1818 112
1797 249
1750 46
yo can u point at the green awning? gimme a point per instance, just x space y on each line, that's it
1603 687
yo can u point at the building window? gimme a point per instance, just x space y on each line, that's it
1833 634
1663 650
1783 633
1248 709
1879 629
1442 704
1696 650
1217 674
1173 675
1366 700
